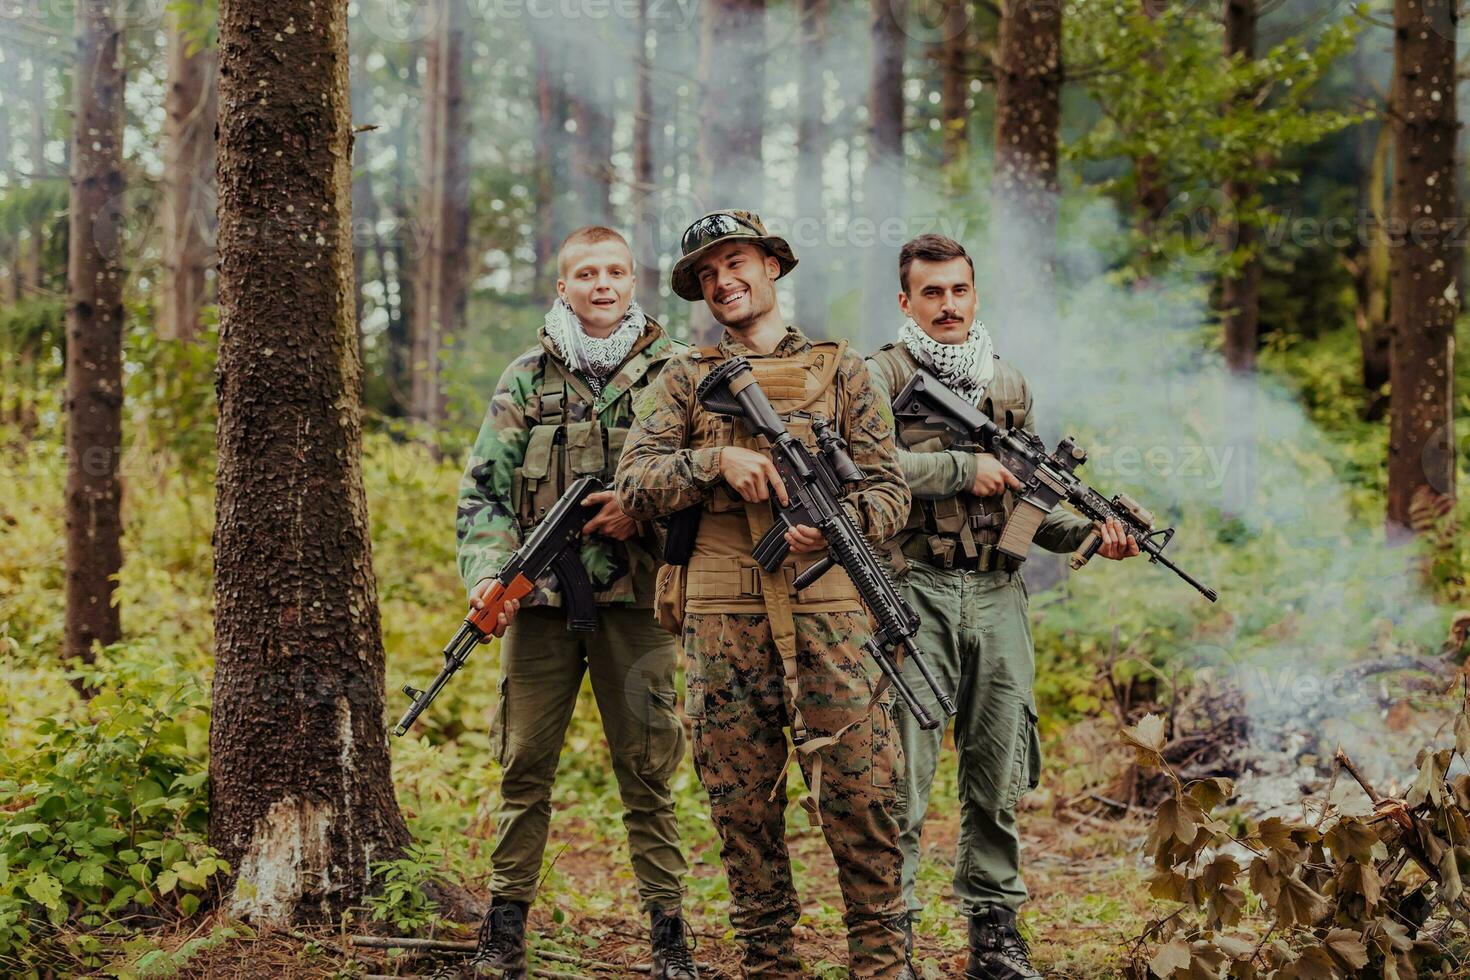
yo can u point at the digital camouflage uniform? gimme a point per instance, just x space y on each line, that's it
742 688
545 429
975 636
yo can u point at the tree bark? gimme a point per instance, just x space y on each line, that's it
1027 114
444 202
813 140
400 329
94 332
1421 456
1152 189
883 181
1240 292
35 269
1373 279
592 151
190 107
550 140
302 799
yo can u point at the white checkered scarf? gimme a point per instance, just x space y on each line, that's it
594 357
965 368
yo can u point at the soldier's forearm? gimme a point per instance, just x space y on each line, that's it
649 486
937 475
1062 531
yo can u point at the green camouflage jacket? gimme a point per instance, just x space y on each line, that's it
544 429
659 474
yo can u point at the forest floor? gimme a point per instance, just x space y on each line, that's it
1086 905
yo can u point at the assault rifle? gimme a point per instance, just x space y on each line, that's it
815 485
1047 478
551 546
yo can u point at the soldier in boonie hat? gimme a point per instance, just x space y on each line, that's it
719 227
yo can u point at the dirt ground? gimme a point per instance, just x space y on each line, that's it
1088 901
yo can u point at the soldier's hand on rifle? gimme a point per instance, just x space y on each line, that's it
1116 544
803 539
991 477
751 474
508 613
610 521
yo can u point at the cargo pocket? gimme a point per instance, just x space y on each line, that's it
1025 771
586 455
533 484
887 760
663 735
498 725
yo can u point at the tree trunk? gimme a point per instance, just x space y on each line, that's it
550 136
645 186
1240 293
592 152
94 332
400 331
1373 329
812 143
883 181
1152 189
732 79
1027 113
443 204
190 107
35 270
954 90
302 799
1421 457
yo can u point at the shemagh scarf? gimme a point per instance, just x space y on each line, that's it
965 368
593 357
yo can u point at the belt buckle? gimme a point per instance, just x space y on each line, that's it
750 580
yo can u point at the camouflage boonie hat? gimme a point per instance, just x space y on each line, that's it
723 226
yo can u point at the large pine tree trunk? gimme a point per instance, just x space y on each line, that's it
1240 292
883 181
550 135
1372 279
1028 95
35 265
400 330
301 797
1421 459
812 142
94 331
444 201
592 149
190 107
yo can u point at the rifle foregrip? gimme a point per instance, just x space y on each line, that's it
1085 551
487 617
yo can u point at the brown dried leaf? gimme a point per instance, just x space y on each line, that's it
1460 786
1298 904
1462 735
1313 964
1360 879
1147 738
1266 880
1226 907
1210 793
1450 887
1220 872
1236 947
1176 820
1351 839
1169 886
1347 947
1170 958
1429 784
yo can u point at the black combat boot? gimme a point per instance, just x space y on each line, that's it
906 923
501 949
997 951
673 954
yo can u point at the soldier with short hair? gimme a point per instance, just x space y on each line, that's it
971 600
761 656
562 411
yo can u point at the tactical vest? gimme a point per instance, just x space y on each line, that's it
722 577
560 451
959 531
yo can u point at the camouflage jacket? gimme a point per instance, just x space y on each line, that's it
658 474
542 405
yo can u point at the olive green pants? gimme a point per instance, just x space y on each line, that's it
977 640
631 662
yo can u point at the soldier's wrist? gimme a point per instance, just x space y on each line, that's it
706 464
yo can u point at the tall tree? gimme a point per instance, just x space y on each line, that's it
1027 113
94 330
188 188
883 180
302 799
443 205
732 84
1240 289
550 144
645 185
400 328
813 139
593 148
954 90
40 170
1370 271
1421 455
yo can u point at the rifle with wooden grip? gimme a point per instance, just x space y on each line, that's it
553 546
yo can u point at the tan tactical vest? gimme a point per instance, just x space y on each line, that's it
559 452
961 530
722 577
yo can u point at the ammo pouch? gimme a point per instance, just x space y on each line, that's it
669 597
557 455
